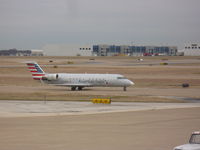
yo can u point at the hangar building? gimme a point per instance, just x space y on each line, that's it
191 49
68 50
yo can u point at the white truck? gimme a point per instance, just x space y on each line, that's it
194 143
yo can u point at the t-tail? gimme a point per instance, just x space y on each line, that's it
36 70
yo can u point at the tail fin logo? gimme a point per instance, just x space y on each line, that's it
36 70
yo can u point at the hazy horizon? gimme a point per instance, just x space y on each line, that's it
32 24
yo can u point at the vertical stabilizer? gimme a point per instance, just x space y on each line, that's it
36 70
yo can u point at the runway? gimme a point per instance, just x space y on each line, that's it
11 108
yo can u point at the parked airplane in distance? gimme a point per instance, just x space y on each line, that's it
78 81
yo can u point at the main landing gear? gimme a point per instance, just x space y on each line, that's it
124 88
74 88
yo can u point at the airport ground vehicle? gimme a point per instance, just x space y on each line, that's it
194 143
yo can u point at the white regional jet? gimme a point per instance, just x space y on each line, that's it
78 81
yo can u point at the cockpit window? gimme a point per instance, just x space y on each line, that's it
195 139
121 78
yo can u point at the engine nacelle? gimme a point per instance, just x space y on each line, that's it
50 77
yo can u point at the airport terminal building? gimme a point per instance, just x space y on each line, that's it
94 50
108 50
15 52
126 50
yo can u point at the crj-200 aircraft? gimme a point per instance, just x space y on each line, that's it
78 81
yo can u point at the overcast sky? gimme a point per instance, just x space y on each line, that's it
34 23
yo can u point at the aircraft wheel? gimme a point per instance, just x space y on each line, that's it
80 88
124 88
73 88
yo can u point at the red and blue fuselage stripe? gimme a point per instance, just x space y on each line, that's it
37 72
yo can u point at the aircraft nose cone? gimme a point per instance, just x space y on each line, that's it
131 83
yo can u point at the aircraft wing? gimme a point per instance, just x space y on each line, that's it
74 84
